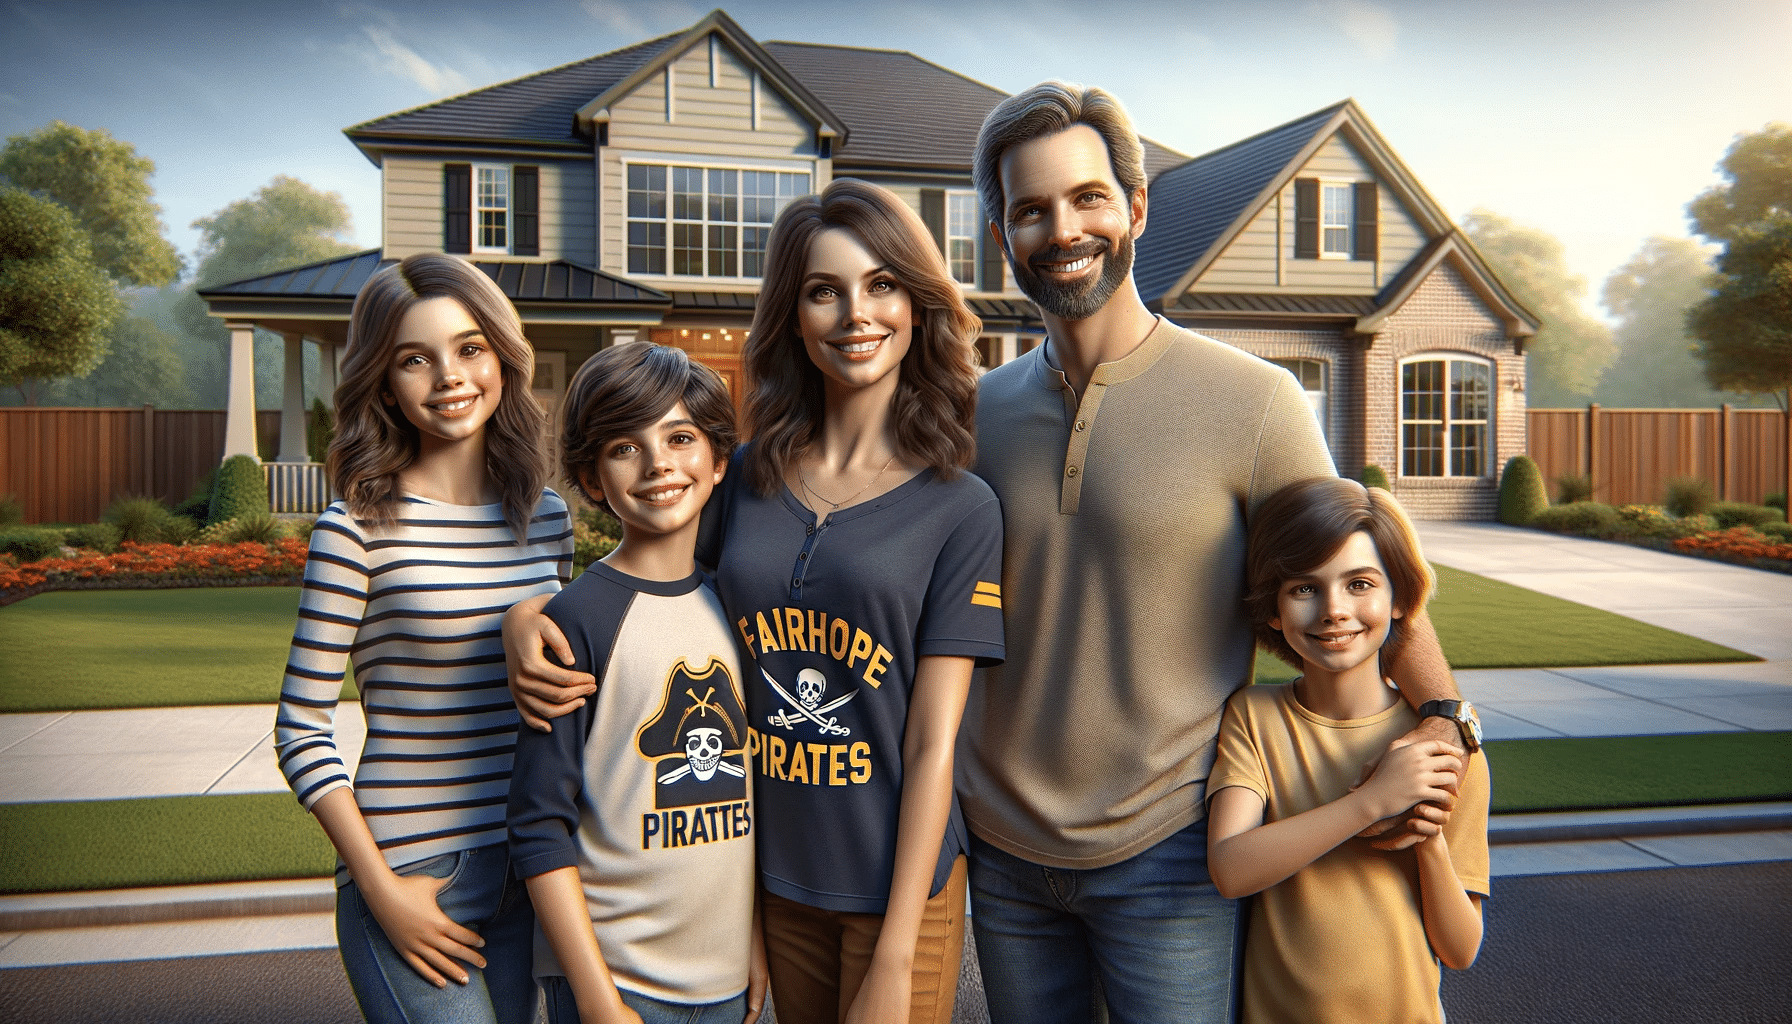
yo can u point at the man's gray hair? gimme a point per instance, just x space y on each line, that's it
1046 109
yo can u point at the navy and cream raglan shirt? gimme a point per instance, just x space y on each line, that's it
646 789
416 609
833 613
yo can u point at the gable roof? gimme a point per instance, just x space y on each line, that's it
522 281
1205 198
1213 197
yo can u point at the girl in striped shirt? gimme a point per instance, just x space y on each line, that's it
444 523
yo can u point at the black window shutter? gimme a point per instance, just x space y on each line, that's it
525 210
1306 218
457 208
1368 222
933 214
992 261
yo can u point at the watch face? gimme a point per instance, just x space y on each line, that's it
1470 721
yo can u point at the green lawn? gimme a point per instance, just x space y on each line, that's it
105 844
74 650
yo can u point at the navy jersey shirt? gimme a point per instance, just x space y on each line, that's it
832 614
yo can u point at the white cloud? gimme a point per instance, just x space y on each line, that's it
1371 26
614 16
401 60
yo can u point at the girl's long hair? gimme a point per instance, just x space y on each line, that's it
375 441
935 403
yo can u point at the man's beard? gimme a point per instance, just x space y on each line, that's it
1077 300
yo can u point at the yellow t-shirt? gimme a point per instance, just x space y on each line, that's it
1343 939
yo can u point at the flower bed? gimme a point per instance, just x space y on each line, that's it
1740 544
1701 536
150 566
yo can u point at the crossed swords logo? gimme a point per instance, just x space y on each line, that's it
807 707
703 747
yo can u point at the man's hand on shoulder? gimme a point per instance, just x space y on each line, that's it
1424 820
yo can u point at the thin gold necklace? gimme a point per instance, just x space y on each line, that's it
834 506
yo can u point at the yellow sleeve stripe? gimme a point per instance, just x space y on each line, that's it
986 600
994 589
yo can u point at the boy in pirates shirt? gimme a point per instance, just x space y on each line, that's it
631 821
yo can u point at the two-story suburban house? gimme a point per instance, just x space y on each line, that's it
628 197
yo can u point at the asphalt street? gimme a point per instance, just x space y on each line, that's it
1672 945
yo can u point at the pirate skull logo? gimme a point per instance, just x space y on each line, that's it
703 752
810 685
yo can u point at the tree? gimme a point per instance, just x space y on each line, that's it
1745 325
1563 362
1657 364
56 303
105 184
143 368
286 223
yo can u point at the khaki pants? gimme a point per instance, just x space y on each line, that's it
819 958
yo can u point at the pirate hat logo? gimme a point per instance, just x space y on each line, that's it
696 738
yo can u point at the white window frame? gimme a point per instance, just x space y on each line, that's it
480 207
1348 227
1455 416
961 213
709 229
1320 399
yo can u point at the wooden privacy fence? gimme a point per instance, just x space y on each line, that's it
67 465
1631 454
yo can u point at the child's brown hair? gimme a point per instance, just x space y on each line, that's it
627 387
1299 527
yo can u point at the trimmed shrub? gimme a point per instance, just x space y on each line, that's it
1738 513
12 510
320 428
262 528
31 543
1585 518
1646 521
1689 496
1373 476
1777 500
138 519
101 537
1777 531
1521 491
179 530
1573 487
241 491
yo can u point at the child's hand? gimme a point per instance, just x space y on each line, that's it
883 997
1414 773
541 689
429 940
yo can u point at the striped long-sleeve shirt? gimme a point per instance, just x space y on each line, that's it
416 609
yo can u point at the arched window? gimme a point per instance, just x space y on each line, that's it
1446 416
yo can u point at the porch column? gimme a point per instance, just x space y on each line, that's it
326 372
1010 348
292 408
239 415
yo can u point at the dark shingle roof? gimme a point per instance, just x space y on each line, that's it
520 281
1204 196
536 108
904 111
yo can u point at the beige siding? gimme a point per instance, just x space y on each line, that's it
412 205
709 126
1401 236
1249 262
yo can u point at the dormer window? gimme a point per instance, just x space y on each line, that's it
1336 220
1334 232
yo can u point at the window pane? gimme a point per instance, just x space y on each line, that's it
724 196
646 248
961 216
687 249
687 193
758 196
1468 445
722 259
646 191
1422 451
1468 391
491 229
752 251
1422 391
964 260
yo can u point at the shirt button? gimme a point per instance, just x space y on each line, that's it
809 529
801 555
1070 472
1082 424
797 582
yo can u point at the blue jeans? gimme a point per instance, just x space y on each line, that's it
563 1010
481 894
1153 927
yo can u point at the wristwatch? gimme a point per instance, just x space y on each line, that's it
1462 713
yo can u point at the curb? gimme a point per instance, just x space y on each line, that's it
35 911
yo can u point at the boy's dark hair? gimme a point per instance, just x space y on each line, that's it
1299 527
627 387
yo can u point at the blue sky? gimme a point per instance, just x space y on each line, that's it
1596 121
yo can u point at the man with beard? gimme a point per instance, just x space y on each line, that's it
1128 454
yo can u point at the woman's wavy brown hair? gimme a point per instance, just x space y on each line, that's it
375 441
1300 527
936 396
